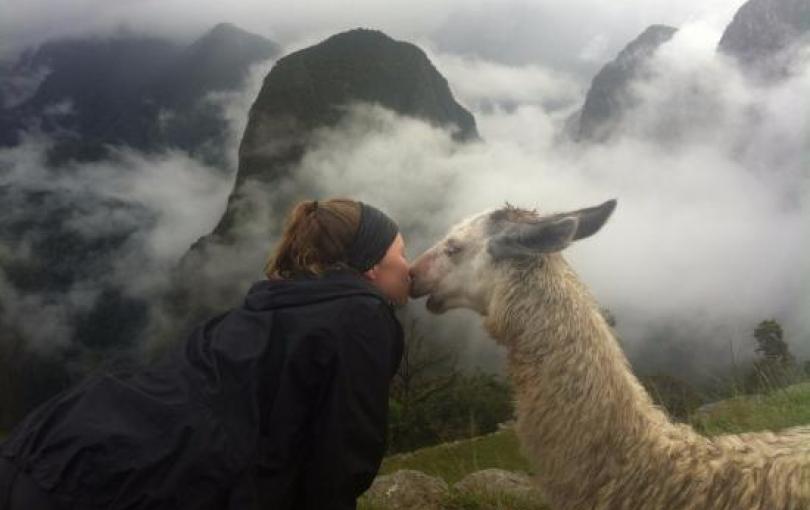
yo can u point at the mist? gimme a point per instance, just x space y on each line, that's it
708 238
710 170
162 202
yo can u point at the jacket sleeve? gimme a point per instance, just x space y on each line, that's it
351 429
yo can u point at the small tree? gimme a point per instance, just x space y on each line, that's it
432 401
769 335
426 368
776 366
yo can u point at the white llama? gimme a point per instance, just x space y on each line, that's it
594 435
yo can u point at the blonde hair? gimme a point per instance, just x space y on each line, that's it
317 235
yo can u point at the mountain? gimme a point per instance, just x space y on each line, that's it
86 85
54 272
764 35
306 90
610 94
219 61
143 92
62 247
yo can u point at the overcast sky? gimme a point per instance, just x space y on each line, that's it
572 35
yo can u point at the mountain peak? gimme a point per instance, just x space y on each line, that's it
225 33
226 37
609 94
226 28
640 48
305 91
763 34
357 65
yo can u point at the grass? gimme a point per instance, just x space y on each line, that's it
465 501
778 409
456 500
452 461
460 501
781 408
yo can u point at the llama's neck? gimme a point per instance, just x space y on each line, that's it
583 417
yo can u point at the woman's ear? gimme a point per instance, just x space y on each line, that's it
371 274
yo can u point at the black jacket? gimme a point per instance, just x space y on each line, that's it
280 403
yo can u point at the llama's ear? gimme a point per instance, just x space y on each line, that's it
592 219
527 239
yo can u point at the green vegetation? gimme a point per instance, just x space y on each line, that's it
434 402
678 397
778 409
786 407
462 501
452 461
776 366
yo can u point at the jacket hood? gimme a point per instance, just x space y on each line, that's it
301 290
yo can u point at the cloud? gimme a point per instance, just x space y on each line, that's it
483 84
708 168
159 203
707 239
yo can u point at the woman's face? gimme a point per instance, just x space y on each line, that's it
391 273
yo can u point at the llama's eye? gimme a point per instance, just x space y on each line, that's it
452 249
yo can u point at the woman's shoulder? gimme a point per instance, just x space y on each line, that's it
367 305
370 313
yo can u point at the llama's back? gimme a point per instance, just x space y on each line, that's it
790 443
780 460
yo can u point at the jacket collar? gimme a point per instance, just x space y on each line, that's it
305 289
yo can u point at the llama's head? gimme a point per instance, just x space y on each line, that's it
460 270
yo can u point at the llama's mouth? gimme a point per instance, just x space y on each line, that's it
434 304
417 289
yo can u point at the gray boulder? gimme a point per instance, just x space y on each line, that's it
407 489
498 482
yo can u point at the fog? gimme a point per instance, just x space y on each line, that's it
176 197
708 236
710 170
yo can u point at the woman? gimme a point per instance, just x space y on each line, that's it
279 403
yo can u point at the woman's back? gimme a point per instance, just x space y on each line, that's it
280 400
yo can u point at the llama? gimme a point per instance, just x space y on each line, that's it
594 435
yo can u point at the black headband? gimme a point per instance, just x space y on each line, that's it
374 235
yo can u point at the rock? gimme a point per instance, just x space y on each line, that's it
507 425
407 489
499 482
140 91
609 96
305 91
764 35
309 88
